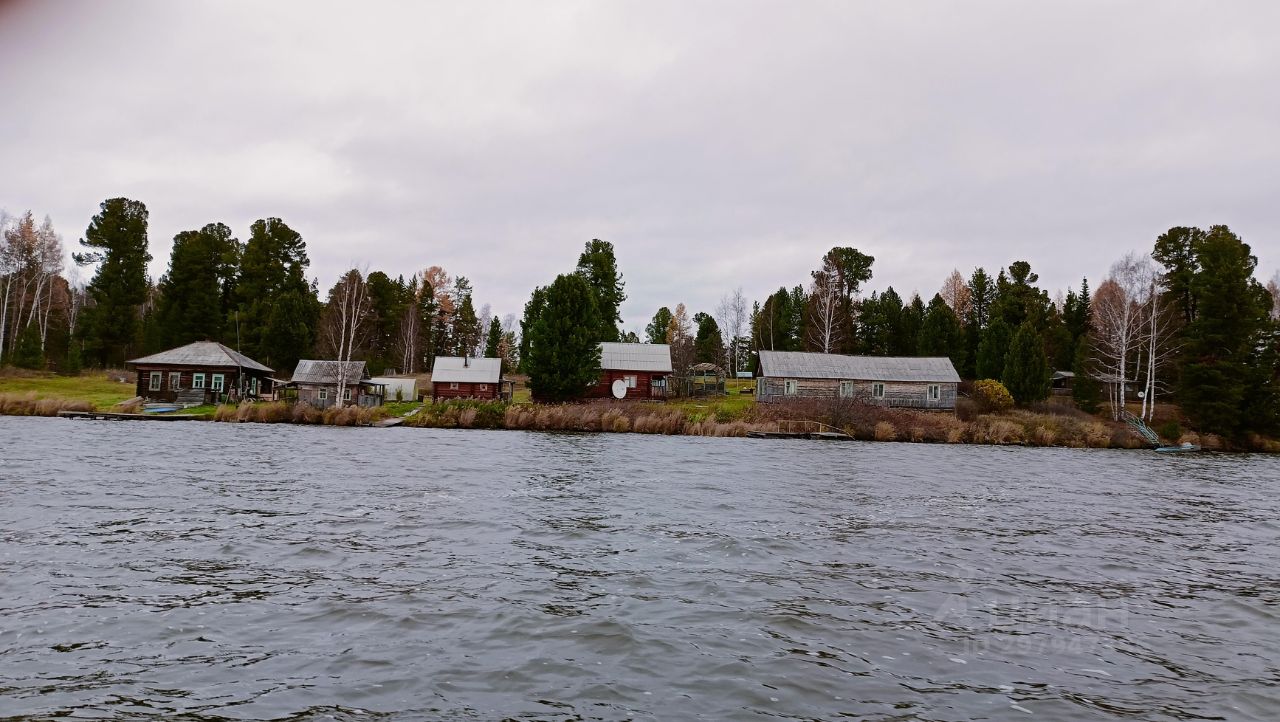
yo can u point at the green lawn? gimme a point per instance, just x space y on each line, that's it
732 406
400 408
96 387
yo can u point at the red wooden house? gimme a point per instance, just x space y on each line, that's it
463 377
642 368
200 373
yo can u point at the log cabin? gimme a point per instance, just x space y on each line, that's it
643 369
906 382
203 372
463 377
315 382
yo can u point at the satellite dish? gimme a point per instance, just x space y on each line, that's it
619 389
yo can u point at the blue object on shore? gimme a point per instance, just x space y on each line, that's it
159 409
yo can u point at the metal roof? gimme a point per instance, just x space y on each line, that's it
635 357
311 371
796 364
474 370
202 353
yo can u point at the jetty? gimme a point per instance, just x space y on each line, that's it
111 416
802 430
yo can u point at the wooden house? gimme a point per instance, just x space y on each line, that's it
463 377
918 383
201 373
315 382
643 369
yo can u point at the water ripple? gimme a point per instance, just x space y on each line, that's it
232 572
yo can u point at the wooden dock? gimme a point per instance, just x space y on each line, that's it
109 416
802 430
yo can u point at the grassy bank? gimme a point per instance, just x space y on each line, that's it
280 412
86 392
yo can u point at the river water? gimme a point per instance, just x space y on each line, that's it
224 571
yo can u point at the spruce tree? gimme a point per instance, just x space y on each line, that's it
1026 370
564 353
656 331
1224 370
494 338
940 333
992 350
1086 392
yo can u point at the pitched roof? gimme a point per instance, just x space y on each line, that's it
326 372
474 370
635 357
797 364
202 353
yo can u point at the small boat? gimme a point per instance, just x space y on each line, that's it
159 408
1186 446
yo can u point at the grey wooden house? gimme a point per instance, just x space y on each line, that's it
200 373
315 382
918 383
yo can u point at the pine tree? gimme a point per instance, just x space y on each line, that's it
193 294
564 353
273 271
600 269
1026 370
118 235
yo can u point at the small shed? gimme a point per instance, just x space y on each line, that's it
463 377
315 382
643 369
910 382
200 373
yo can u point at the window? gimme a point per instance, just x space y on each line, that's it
877 390
934 392
346 394
631 381
155 381
846 389
324 394
453 385
218 383
175 380
484 387
790 386
197 381
253 386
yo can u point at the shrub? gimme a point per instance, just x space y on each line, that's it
991 395
885 431
1170 430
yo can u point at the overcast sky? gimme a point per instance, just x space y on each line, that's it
715 144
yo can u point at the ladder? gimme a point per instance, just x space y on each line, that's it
1140 428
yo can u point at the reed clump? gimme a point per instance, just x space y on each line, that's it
282 412
27 404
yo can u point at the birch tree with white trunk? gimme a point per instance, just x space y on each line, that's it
824 314
732 316
345 323
1118 326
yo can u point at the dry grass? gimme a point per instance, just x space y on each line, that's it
280 412
30 404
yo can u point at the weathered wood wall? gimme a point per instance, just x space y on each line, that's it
903 394
168 392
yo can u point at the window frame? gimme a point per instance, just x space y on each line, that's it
484 387
934 392
346 394
218 382
175 380
453 385
197 381
153 381
790 387
877 389
323 394
846 389
631 380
